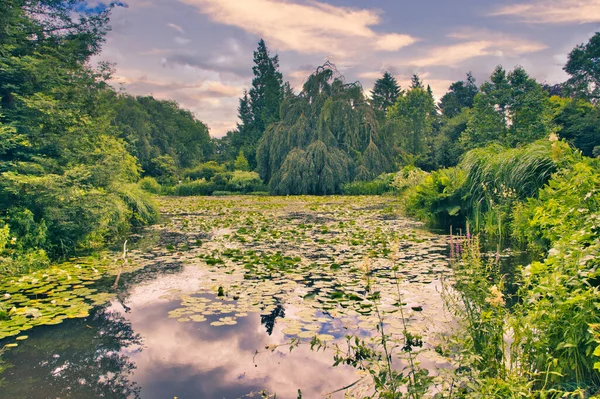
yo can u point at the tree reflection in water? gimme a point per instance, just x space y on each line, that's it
269 319
82 358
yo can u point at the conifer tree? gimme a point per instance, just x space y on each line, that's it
266 93
385 93
416 83
259 107
241 163
461 95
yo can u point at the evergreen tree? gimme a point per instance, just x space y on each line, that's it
259 107
385 93
416 83
241 163
461 95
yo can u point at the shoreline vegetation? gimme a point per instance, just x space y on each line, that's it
511 162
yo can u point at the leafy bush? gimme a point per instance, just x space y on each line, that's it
561 294
150 185
197 187
437 200
381 185
407 178
204 171
244 182
16 258
144 209
163 168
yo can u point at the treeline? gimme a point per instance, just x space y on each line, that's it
72 150
330 135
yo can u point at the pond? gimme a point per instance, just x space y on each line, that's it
222 300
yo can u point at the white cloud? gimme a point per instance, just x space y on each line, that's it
476 43
553 11
308 28
181 40
176 27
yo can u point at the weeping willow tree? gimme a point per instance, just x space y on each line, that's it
328 135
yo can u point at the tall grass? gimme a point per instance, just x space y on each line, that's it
522 170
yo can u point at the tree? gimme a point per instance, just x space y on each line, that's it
416 83
511 109
241 163
327 134
584 67
155 128
260 107
414 112
62 162
578 122
461 95
385 93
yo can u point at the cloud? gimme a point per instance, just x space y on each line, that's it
182 40
553 11
309 28
176 27
476 43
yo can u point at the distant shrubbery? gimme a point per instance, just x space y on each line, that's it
398 182
238 182
381 185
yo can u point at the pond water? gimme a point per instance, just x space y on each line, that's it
210 301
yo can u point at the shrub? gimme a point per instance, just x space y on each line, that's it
407 178
197 187
150 185
437 200
244 182
144 209
381 185
204 171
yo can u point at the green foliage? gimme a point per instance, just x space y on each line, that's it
259 108
196 187
582 65
497 178
163 136
240 182
244 182
381 185
461 95
164 169
448 148
415 114
144 210
318 171
205 171
324 132
241 163
511 109
149 184
437 200
385 93
407 178
67 180
578 122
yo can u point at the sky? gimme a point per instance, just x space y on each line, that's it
199 52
